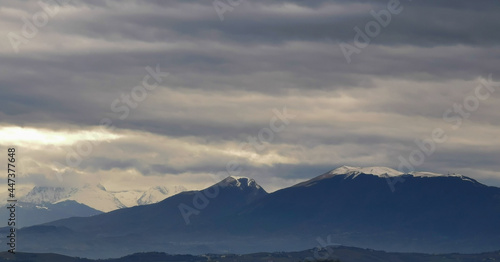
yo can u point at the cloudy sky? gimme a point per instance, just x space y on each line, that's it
81 102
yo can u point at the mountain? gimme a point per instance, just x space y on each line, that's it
94 196
29 214
333 253
422 212
41 194
157 194
97 197
209 205
128 197
158 226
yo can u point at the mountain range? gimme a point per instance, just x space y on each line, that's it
97 197
44 204
363 207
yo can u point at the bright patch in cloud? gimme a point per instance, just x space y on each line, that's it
25 136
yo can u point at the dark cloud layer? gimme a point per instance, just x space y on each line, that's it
226 77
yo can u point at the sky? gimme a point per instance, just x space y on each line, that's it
133 94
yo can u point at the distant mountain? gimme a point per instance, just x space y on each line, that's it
157 194
328 253
425 212
128 197
29 214
42 194
232 194
97 197
94 196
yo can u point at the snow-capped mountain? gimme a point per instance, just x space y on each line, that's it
251 190
157 194
374 170
384 172
94 196
42 194
97 197
239 182
129 197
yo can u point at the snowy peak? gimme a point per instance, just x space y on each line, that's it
128 197
384 172
353 172
97 197
375 170
158 193
239 182
237 187
43 194
94 196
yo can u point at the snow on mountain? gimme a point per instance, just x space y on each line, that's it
375 170
95 196
158 193
129 197
383 172
353 172
42 194
241 182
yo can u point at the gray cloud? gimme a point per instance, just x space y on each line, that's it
227 76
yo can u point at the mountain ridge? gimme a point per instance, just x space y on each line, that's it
98 197
379 171
424 214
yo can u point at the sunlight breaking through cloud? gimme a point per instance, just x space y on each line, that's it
28 136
